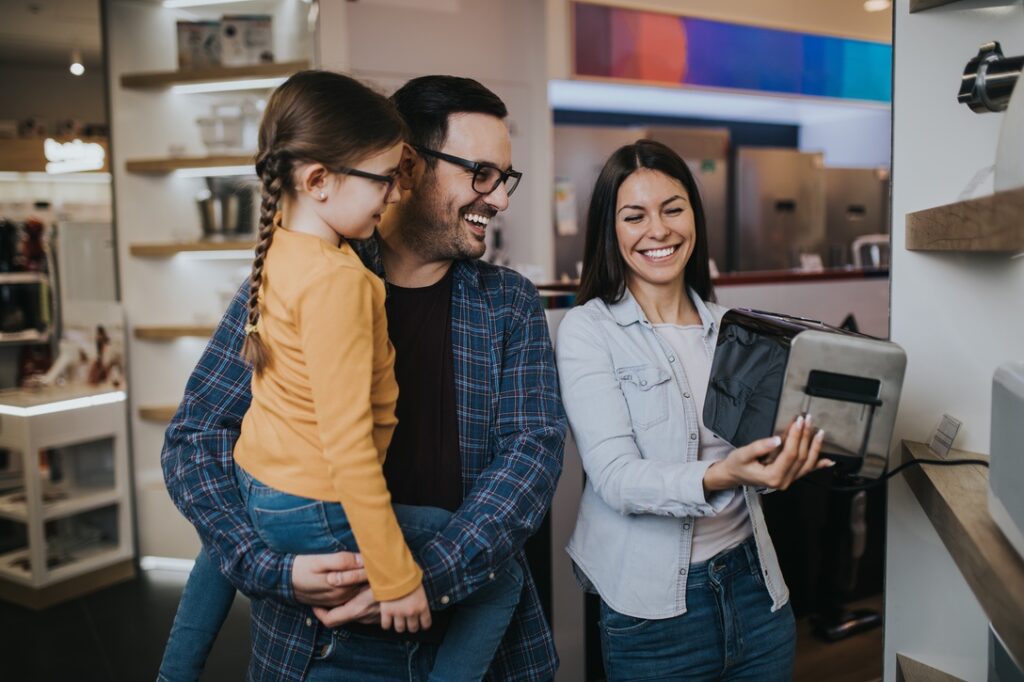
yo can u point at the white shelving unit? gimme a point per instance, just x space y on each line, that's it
175 285
73 496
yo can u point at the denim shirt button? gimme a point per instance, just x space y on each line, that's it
693 436
643 382
686 526
682 571
686 395
671 358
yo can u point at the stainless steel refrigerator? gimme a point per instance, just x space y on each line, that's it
856 204
780 207
581 152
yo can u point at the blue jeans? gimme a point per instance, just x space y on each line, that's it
298 525
727 633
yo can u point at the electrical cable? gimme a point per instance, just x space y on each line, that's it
882 479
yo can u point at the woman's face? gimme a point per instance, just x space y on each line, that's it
655 227
354 204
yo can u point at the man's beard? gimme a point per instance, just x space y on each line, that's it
432 227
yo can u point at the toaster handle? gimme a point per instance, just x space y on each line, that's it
844 387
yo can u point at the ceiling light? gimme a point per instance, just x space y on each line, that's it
76 68
877 5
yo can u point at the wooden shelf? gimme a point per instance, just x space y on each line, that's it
27 155
172 249
169 165
909 670
956 501
166 79
23 277
987 224
29 336
157 413
171 332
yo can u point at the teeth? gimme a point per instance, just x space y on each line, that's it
659 253
477 218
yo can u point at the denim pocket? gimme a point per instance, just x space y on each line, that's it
293 524
645 388
615 623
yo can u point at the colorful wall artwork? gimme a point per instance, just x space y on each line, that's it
655 47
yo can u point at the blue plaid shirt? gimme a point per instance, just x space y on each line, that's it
511 433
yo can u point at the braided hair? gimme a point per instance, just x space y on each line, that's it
313 117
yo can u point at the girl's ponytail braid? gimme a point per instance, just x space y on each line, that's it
273 171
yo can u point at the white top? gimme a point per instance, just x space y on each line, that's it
731 526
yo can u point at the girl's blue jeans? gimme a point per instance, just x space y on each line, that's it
298 525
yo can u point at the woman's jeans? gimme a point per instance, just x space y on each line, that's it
727 633
298 525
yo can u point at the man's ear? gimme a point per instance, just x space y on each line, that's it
312 178
410 168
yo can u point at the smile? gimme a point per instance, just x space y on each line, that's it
477 219
660 253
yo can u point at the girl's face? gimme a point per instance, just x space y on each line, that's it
354 204
654 226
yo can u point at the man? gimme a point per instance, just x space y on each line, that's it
480 431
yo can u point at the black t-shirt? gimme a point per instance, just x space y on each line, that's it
424 466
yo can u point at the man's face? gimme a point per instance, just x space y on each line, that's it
444 218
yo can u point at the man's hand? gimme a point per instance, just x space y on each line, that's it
327 579
362 608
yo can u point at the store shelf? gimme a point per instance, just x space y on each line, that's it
171 332
23 277
955 499
172 249
28 336
909 670
922 5
78 501
987 224
157 413
11 572
177 163
166 79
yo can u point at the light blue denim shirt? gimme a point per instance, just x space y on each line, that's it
636 426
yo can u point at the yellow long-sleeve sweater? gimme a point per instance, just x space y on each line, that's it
323 411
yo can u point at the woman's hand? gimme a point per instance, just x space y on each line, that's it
408 613
762 464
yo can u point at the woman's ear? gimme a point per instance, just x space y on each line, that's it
312 180
410 168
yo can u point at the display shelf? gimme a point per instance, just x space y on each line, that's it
171 332
955 499
157 413
164 166
223 74
9 570
23 277
986 224
27 336
78 501
922 5
166 250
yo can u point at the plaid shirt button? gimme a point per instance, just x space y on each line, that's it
309 622
445 599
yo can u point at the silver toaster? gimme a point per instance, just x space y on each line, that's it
768 368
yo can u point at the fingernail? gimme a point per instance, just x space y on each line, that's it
808 420
820 435
799 421
359 559
777 440
829 463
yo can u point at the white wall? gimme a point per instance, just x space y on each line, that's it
958 316
497 42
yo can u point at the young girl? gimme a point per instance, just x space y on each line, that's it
323 386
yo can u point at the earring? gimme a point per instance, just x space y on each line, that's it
322 195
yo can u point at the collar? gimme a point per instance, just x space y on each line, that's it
627 311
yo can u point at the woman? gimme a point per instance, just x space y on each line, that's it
670 531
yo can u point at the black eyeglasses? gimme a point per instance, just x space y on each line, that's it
388 180
486 176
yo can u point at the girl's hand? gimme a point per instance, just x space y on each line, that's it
410 613
763 464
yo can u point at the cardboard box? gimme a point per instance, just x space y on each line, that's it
198 44
246 39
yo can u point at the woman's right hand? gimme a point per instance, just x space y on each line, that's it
409 613
755 465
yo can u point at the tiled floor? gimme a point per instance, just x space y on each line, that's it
118 635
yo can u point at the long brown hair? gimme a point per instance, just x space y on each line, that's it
604 270
313 117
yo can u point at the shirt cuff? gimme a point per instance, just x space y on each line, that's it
712 504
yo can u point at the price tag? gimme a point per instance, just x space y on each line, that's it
945 434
